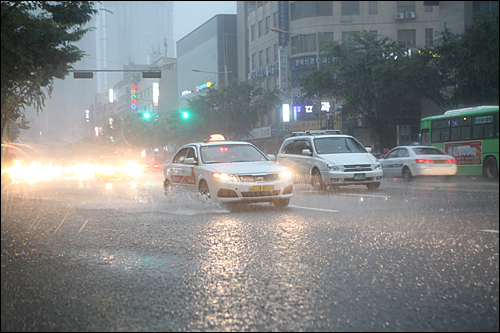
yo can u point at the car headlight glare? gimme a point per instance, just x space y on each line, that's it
225 177
285 174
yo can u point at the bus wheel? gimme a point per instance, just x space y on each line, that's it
490 169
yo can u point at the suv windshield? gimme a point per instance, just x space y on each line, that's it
338 145
231 153
428 151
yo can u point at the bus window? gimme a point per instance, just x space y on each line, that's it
424 138
435 135
445 134
455 133
477 131
489 131
465 135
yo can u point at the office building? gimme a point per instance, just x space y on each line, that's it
211 50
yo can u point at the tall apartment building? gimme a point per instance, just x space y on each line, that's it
136 32
410 23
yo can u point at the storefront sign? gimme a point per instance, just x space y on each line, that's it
306 125
283 63
283 22
297 63
466 153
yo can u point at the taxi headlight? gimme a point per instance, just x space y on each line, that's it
108 170
225 177
335 167
376 166
132 168
285 174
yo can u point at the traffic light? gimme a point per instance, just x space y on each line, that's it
184 114
146 115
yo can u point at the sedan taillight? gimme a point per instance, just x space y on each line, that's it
451 160
423 160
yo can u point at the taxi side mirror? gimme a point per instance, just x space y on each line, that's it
306 152
368 149
271 157
190 160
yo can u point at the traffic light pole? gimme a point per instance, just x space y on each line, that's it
89 74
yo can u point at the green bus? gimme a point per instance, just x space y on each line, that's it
470 135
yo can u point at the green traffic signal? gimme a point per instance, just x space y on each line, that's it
146 115
185 114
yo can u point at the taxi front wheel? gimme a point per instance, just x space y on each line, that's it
204 190
167 188
281 203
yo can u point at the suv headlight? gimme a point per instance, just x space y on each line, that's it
335 167
285 174
376 166
225 177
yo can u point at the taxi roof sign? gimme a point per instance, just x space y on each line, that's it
216 137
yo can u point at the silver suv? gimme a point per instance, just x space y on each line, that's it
329 158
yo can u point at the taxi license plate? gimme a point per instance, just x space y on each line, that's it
438 162
261 188
359 176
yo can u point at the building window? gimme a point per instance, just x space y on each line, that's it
304 9
407 38
275 52
261 59
307 43
253 61
252 32
275 19
429 37
350 8
260 28
346 35
406 6
268 55
268 83
268 24
372 8
428 9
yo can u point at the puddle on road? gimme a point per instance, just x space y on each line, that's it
142 200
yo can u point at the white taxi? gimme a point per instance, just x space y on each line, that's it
228 172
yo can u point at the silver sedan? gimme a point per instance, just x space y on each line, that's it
412 161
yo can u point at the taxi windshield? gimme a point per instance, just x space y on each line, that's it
338 145
230 153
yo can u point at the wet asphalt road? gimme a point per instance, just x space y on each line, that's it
408 257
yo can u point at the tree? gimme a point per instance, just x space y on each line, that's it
468 63
367 76
36 49
233 110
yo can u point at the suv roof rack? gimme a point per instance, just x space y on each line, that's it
317 132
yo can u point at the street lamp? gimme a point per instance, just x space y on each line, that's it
200 71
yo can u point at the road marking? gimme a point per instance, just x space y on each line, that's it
83 226
494 231
324 210
367 195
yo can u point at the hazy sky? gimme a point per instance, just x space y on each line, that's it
189 15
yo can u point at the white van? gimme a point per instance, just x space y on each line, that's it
329 158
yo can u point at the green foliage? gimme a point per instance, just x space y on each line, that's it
367 78
36 49
233 110
468 63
